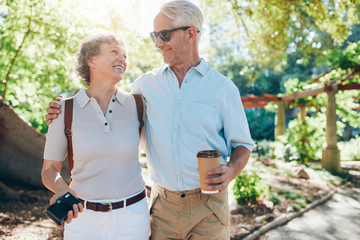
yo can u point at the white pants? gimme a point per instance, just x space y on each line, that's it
132 222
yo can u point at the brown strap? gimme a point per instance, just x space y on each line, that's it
140 110
68 122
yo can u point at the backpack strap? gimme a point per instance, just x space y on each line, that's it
140 110
68 122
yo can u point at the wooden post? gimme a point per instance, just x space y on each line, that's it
280 120
331 154
302 112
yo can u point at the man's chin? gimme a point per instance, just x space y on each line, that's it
166 60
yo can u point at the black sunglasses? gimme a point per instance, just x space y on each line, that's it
165 34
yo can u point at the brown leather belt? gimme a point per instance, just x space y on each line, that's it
108 207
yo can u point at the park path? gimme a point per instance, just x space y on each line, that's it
336 219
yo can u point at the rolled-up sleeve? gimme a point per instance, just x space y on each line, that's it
236 128
56 142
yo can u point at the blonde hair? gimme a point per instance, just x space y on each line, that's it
184 13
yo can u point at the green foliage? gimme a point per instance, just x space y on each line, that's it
36 55
348 58
274 197
261 123
303 141
289 194
248 187
275 28
38 40
265 147
350 151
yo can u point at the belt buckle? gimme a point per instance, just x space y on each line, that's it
110 206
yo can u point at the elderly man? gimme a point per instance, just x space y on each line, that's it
190 107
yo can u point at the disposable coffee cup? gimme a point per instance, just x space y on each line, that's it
207 160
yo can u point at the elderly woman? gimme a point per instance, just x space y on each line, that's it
105 141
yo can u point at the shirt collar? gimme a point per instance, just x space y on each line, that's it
201 68
120 96
83 98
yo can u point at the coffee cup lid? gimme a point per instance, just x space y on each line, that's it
209 153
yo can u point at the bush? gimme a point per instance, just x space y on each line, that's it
350 150
248 187
265 148
274 197
290 194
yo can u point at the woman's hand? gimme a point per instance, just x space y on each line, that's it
51 178
77 208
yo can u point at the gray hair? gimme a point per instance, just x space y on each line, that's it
89 48
184 13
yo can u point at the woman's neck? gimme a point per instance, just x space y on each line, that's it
102 93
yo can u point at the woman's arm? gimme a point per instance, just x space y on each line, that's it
51 178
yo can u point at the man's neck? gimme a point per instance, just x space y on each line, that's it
181 69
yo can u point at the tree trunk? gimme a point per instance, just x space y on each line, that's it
21 150
7 193
7 77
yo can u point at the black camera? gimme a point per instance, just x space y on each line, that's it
58 211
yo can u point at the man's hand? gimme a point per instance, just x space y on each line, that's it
53 110
71 214
219 178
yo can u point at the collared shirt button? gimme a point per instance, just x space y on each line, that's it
110 111
175 152
177 102
106 124
113 100
175 126
178 177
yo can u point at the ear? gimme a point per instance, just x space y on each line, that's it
91 62
192 35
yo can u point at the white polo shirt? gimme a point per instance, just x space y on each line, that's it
105 148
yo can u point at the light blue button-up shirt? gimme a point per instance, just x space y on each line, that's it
205 113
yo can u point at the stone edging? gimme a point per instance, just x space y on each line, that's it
284 218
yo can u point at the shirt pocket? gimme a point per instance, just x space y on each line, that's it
200 119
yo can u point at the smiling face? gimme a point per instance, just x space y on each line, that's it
174 51
111 62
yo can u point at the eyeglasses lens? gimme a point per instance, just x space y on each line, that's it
164 35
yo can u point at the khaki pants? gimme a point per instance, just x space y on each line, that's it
188 215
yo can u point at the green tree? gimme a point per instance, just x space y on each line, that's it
37 51
36 54
273 29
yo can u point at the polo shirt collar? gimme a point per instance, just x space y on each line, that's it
201 68
120 96
83 98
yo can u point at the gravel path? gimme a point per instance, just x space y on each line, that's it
337 219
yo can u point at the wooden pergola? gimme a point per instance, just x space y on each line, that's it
330 154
